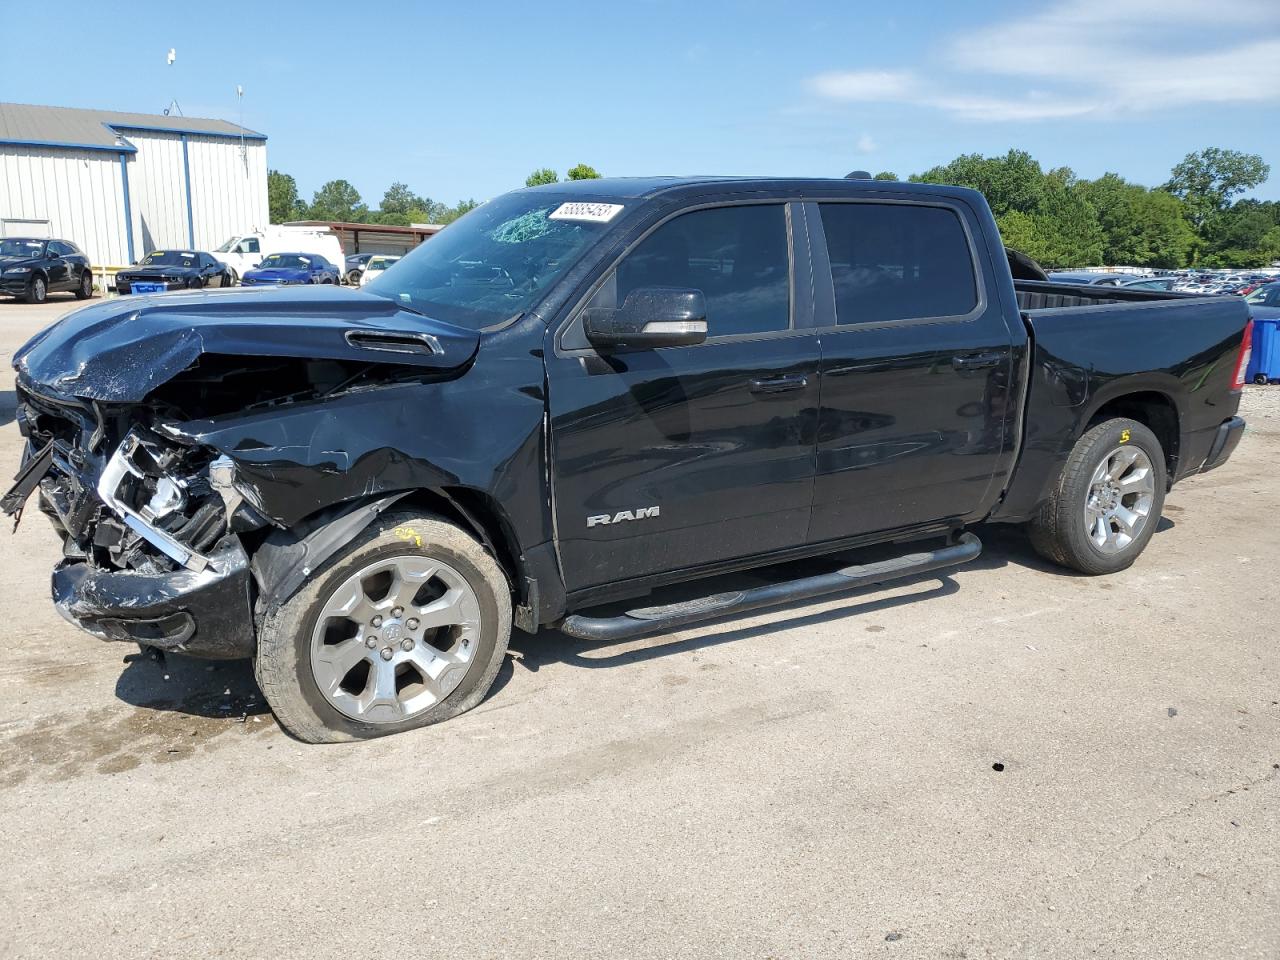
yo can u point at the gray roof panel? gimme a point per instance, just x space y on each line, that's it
100 129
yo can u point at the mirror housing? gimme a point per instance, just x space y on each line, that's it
650 317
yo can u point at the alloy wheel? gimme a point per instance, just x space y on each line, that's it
395 639
1121 494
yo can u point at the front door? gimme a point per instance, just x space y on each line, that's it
917 369
684 456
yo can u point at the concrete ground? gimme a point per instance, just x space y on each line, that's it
1008 761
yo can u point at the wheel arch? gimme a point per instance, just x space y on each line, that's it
285 557
1156 411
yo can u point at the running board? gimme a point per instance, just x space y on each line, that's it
636 623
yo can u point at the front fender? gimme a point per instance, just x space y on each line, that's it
283 561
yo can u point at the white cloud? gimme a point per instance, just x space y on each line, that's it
866 144
1096 57
864 85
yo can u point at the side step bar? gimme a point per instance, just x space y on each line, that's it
636 623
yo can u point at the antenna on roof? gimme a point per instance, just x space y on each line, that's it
170 59
244 154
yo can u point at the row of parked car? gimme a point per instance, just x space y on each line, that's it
31 268
1237 283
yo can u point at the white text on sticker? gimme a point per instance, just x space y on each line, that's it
589 212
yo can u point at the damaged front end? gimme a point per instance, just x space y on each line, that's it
168 441
150 548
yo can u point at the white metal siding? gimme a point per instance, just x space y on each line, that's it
228 188
157 191
79 192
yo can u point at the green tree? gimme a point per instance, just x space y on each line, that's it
400 200
541 176
1141 227
582 172
1012 182
282 197
885 175
338 200
450 214
1242 235
1062 231
1207 181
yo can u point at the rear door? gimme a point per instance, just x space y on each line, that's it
61 276
917 362
685 456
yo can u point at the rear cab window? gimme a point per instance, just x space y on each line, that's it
898 261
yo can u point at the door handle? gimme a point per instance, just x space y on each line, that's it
772 386
976 361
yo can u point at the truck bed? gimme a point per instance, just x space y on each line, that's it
1173 352
1042 295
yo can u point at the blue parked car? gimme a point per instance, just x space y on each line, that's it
278 269
1264 303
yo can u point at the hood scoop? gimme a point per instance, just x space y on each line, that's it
392 341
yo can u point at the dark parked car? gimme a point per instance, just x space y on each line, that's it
283 269
32 268
1264 302
163 270
581 392
354 267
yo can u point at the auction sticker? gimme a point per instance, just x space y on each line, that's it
586 212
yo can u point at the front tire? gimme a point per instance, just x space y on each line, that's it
1103 510
405 628
37 290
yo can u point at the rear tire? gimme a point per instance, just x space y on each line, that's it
85 290
340 617
1104 507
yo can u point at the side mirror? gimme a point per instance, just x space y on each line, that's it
650 317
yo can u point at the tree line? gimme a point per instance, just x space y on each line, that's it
1195 219
400 206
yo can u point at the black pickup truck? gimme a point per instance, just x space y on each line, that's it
579 393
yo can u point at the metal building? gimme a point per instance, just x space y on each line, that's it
120 184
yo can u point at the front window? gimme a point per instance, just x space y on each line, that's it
497 261
737 256
169 258
21 248
285 261
1259 296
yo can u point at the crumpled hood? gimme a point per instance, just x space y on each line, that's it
118 351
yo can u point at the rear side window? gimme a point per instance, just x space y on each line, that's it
897 262
59 249
737 256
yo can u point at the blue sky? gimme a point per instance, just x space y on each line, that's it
464 99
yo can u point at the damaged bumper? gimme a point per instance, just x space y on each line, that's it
204 613
149 553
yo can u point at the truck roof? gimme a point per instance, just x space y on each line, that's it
624 188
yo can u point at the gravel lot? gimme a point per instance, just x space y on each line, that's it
816 782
